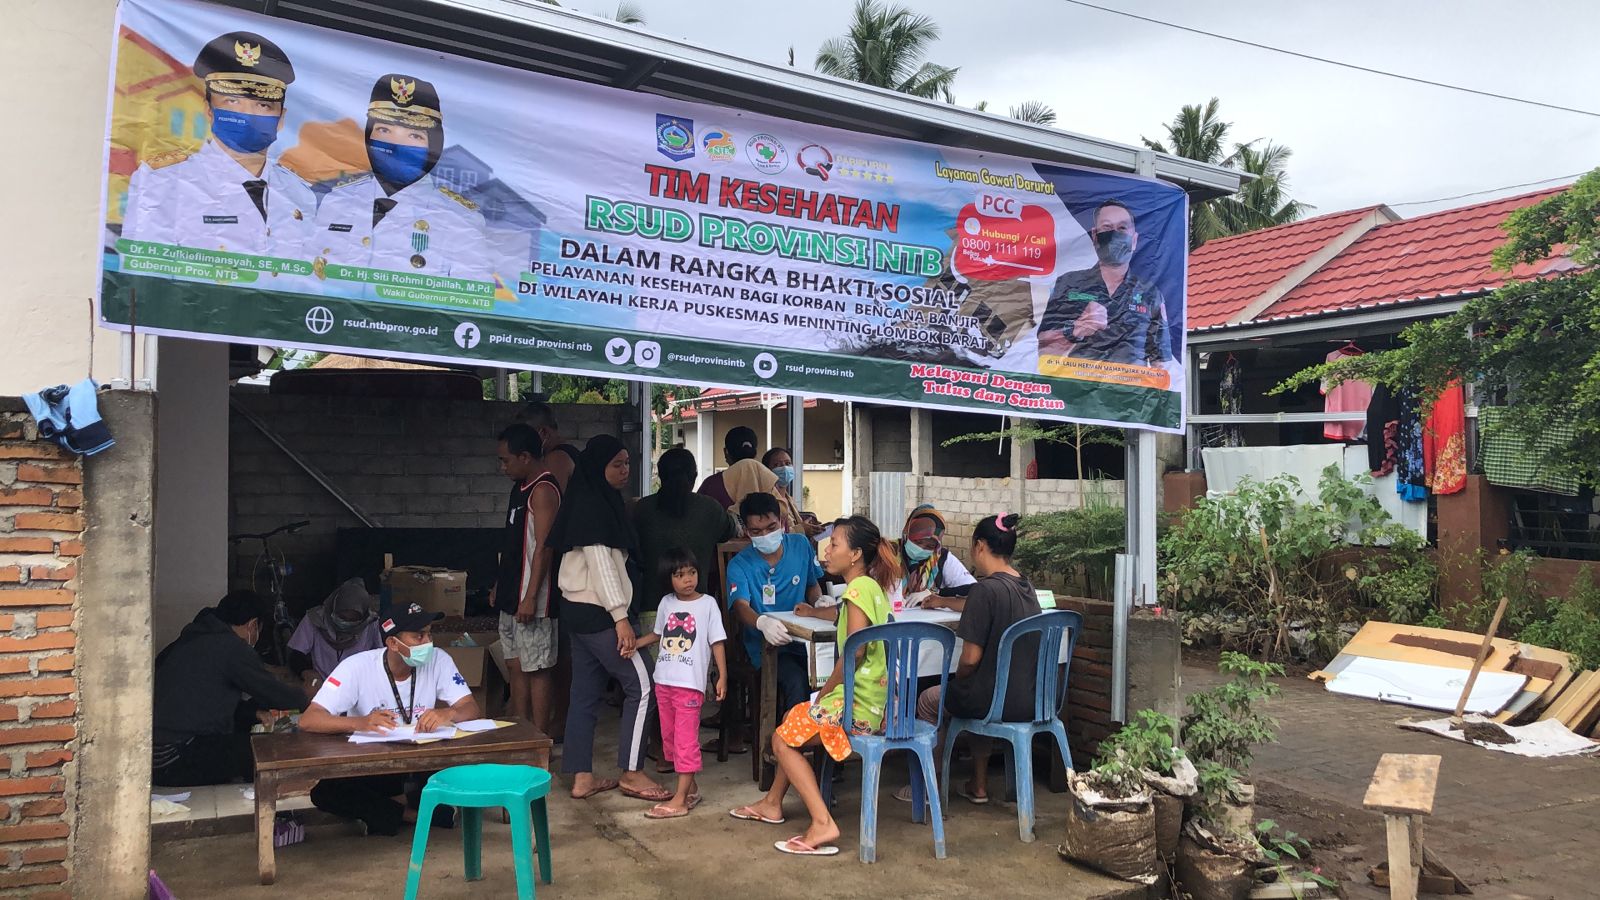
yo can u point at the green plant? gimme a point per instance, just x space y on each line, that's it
1258 557
1402 582
1115 775
1280 848
1147 743
1074 544
1508 575
1572 625
1224 724
1217 786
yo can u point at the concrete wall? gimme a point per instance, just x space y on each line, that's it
191 525
52 260
964 501
111 824
406 463
891 439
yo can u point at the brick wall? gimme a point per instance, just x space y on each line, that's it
1089 684
41 539
408 463
964 501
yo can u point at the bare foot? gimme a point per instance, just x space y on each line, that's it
767 808
821 833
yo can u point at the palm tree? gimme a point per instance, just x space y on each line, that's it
1034 112
885 47
1198 133
627 14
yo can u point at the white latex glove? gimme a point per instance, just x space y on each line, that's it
773 631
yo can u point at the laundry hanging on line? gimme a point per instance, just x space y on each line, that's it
70 416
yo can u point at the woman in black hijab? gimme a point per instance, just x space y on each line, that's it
599 569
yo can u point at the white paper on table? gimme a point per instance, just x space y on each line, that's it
476 725
180 797
402 734
915 600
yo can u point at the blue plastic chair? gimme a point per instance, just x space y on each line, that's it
901 728
519 789
1050 678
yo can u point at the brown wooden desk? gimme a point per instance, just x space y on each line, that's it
301 757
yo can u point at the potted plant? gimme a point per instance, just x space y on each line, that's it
1111 820
1220 732
1149 744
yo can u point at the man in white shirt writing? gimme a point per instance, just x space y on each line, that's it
402 684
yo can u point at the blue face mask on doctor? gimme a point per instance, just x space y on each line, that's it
244 132
397 163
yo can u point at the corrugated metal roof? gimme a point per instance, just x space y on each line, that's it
1227 274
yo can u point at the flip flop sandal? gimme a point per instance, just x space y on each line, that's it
663 811
972 798
600 787
715 746
654 796
694 800
796 847
748 814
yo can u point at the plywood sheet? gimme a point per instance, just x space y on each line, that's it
1404 784
1417 644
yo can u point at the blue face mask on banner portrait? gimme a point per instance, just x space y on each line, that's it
397 163
244 132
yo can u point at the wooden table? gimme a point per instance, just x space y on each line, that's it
814 631
300 757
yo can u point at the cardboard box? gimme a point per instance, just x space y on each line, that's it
435 590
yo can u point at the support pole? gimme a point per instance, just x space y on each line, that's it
647 445
152 359
125 360
797 447
1120 593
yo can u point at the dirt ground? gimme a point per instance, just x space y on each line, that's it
1512 828
604 847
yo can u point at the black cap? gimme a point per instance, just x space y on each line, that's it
412 618
405 100
244 63
742 438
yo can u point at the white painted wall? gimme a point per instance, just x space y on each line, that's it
50 229
191 524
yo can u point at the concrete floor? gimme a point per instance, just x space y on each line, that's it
605 847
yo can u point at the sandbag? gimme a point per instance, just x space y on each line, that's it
1207 875
1115 836
1169 825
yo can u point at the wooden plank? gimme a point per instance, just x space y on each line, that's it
1403 870
1582 688
1404 784
302 750
1582 718
1418 644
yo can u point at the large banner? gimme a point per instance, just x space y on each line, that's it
279 183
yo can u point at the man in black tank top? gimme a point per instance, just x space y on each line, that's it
522 588
560 457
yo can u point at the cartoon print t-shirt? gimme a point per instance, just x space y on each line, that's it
687 629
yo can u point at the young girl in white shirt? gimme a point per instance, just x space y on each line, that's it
690 633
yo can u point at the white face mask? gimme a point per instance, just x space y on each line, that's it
767 543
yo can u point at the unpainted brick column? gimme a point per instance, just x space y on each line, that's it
41 540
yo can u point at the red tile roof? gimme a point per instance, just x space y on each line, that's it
1441 254
724 399
1226 274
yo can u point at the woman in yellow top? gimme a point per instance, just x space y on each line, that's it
869 564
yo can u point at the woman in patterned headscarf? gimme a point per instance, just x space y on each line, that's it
929 566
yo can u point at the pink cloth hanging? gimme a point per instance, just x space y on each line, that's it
1349 397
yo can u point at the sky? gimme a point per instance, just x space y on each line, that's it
1358 139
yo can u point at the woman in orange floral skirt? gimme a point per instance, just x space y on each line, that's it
869 564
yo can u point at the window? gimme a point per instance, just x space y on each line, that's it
176 124
197 127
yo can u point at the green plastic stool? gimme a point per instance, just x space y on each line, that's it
519 789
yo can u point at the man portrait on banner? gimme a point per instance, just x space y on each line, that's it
228 195
1107 312
401 216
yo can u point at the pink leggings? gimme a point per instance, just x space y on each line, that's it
679 709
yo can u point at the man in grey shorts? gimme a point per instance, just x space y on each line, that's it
522 591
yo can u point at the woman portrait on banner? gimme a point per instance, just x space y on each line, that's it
934 577
402 216
345 624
